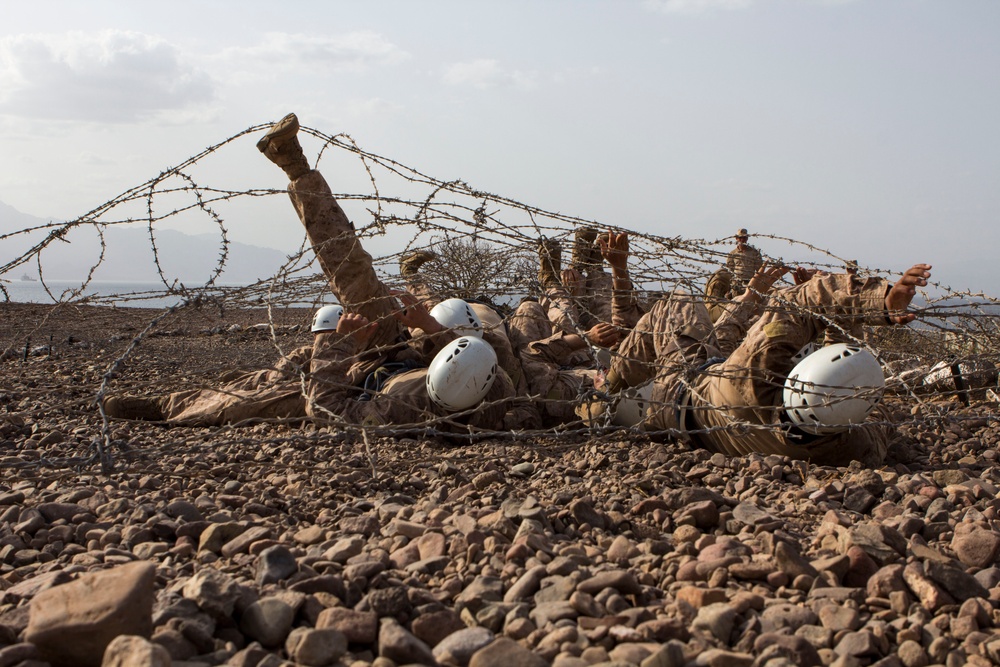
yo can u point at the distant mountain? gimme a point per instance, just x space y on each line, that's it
129 255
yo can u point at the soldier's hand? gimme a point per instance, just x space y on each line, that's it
414 314
615 249
766 276
803 275
357 326
603 334
902 293
572 281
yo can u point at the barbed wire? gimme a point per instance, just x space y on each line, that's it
950 355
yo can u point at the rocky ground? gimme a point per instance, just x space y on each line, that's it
283 544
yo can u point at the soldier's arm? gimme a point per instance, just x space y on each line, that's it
625 309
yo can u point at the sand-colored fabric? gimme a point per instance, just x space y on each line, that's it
742 264
734 406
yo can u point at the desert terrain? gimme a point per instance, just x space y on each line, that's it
274 543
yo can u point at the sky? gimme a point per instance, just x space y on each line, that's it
864 127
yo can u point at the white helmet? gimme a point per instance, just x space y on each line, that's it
489 318
327 318
462 373
633 405
806 350
458 315
834 387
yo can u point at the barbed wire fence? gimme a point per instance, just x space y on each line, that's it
950 358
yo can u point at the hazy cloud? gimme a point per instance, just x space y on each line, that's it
352 51
485 73
703 6
111 76
694 6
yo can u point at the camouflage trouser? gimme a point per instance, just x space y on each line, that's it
347 266
529 323
734 407
574 314
556 376
238 401
717 292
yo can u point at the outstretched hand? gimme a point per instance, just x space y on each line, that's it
572 280
765 277
614 248
358 327
803 275
902 293
414 313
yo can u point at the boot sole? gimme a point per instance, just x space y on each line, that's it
284 128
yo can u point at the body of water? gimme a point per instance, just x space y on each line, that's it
121 294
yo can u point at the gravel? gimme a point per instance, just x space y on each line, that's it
281 544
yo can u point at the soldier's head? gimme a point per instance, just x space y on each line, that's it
458 315
461 374
741 236
833 388
327 318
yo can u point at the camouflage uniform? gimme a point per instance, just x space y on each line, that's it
272 393
735 406
557 376
403 401
329 372
349 270
347 266
717 291
523 413
599 301
216 407
742 264
336 366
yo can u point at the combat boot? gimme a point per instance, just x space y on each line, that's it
410 263
549 263
586 254
134 407
281 146
593 410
